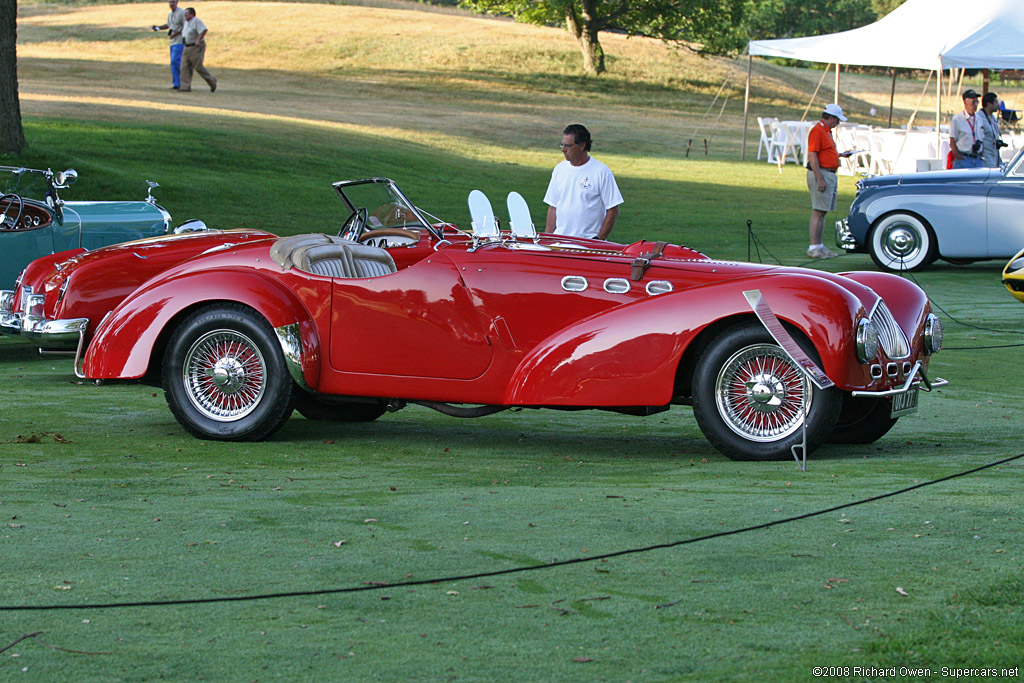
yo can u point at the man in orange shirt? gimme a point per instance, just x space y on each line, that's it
822 163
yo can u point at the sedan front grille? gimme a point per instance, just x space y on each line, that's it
890 336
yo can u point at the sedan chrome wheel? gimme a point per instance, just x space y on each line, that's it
760 393
225 375
902 242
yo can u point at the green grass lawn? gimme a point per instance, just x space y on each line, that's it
103 498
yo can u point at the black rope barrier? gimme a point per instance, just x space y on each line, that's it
501 572
754 241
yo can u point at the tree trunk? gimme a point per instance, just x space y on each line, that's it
585 33
12 137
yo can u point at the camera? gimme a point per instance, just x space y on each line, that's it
1000 143
976 148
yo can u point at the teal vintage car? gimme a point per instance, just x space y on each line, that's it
35 221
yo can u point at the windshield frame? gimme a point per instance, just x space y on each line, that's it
35 181
391 187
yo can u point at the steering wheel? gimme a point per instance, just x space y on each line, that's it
354 226
410 235
5 219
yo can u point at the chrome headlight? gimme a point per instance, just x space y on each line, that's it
932 334
1014 266
867 341
34 304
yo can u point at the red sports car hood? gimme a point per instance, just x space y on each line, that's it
169 246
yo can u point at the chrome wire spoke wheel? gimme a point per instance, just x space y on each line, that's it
760 393
225 375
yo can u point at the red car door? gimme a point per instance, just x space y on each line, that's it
418 322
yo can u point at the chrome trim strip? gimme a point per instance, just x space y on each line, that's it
890 335
291 345
163 214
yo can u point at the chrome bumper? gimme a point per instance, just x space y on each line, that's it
63 335
844 238
916 379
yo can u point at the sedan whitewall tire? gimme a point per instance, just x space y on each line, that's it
901 241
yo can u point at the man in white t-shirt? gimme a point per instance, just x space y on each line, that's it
583 199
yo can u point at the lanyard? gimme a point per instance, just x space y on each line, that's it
970 122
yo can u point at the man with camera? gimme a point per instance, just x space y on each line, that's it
967 134
993 141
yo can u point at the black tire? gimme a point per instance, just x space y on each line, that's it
224 375
901 241
764 421
862 420
313 408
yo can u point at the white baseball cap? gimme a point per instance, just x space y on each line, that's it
835 110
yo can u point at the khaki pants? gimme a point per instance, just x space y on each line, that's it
193 60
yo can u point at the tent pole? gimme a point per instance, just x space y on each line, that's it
746 107
892 95
938 110
836 97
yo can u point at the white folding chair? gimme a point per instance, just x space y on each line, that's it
882 157
784 144
862 136
845 141
765 124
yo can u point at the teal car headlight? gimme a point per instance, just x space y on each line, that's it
867 341
932 334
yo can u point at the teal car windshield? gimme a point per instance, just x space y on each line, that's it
24 182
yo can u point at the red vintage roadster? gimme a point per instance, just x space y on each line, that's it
243 328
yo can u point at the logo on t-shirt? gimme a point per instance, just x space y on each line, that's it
585 183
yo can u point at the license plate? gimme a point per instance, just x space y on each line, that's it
905 403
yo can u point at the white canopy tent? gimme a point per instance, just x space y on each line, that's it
919 34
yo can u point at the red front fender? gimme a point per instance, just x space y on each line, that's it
124 343
634 350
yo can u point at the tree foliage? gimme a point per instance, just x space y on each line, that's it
883 7
765 19
12 137
712 26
